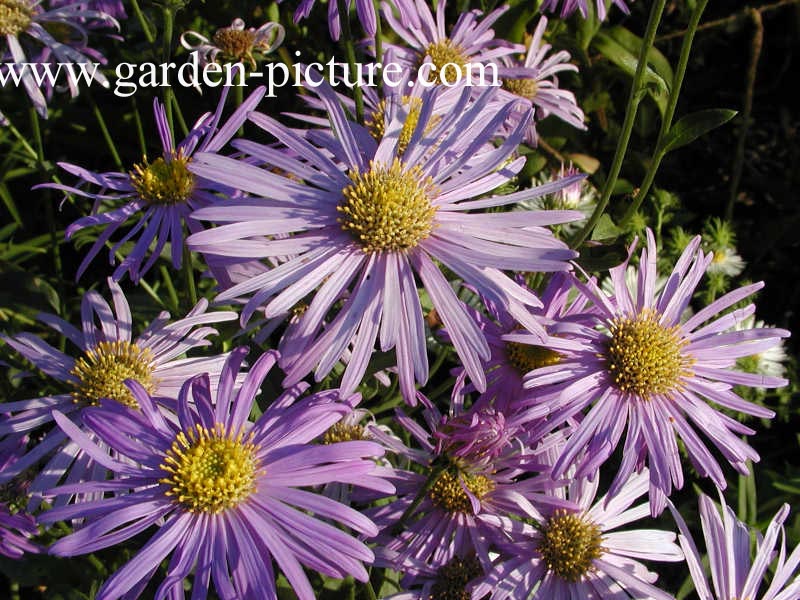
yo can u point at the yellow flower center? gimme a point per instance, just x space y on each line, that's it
448 493
388 209
527 357
644 357
452 579
15 16
236 44
377 126
210 470
102 371
341 432
527 88
449 60
569 545
163 182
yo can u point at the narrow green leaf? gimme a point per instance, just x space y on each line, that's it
622 57
693 125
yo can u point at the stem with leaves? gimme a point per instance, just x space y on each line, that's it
638 90
666 123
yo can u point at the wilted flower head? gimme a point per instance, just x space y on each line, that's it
235 43
227 492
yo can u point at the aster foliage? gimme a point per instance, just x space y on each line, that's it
452 307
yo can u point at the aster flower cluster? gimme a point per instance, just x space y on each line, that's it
401 372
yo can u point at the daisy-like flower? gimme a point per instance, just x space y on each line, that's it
364 221
16 528
570 6
534 80
471 41
648 370
733 573
476 475
227 490
511 360
573 551
161 193
235 43
452 580
110 354
727 262
24 21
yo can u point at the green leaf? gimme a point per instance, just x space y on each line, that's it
605 230
693 125
617 52
633 44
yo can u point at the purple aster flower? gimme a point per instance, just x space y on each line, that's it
477 478
16 528
452 580
24 21
226 492
162 193
569 6
648 370
511 360
110 355
235 43
733 573
364 221
471 41
573 551
534 80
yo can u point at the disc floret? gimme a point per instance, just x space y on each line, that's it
102 371
210 470
15 16
388 208
569 544
165 181
645 357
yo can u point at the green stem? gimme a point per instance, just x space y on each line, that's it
349 49
166 51
106 135
137 119
669 114
166 277
21 139
149 35
635 97
48 203
179 115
